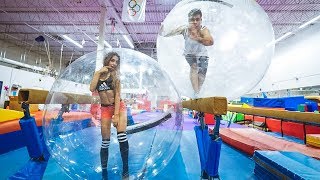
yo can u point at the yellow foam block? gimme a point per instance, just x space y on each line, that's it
313 140
8 115
244 105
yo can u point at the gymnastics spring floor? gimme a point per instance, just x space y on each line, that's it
184 165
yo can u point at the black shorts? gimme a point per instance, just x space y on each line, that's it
201 61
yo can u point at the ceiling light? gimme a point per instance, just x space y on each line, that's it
105 43
72 41
309 22
118 42
82 42
128 41
283 37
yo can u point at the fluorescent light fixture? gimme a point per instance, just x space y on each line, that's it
309 22
105 43
128 41
82 42
283 37
71 40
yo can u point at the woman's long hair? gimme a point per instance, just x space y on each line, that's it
116 73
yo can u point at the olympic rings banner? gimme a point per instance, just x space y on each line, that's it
134 10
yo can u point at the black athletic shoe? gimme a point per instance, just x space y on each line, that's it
104 174
204 175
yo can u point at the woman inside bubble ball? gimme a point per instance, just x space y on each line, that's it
107 82
197 37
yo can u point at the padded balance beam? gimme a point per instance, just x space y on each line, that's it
212 105
209 146
313 98
35 96
32 96
306 117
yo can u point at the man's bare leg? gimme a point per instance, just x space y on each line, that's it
201 79
194 77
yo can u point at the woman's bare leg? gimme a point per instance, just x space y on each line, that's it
104 151
123 142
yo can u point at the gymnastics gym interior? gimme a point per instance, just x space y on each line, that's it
248 110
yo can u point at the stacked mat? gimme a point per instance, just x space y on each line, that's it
285 165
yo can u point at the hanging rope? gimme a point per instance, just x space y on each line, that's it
71 58
48 53
61 50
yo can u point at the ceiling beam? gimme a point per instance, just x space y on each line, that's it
294 3
49 23
72 32
50 10
93 9
68 23
34 23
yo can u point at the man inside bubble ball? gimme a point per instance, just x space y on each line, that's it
106 82
196 37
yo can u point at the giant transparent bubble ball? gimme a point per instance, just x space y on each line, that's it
72 118
242 50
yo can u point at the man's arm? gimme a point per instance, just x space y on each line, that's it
175 32
205 38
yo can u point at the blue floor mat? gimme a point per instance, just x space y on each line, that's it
185 164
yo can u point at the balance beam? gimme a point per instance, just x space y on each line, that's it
35 96
32 96
313 98
212 105
306 117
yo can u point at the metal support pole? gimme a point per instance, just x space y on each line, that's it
102 29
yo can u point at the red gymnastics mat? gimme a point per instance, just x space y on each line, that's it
249 140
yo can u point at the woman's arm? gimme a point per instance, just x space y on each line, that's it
96 77
117 103
94 82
